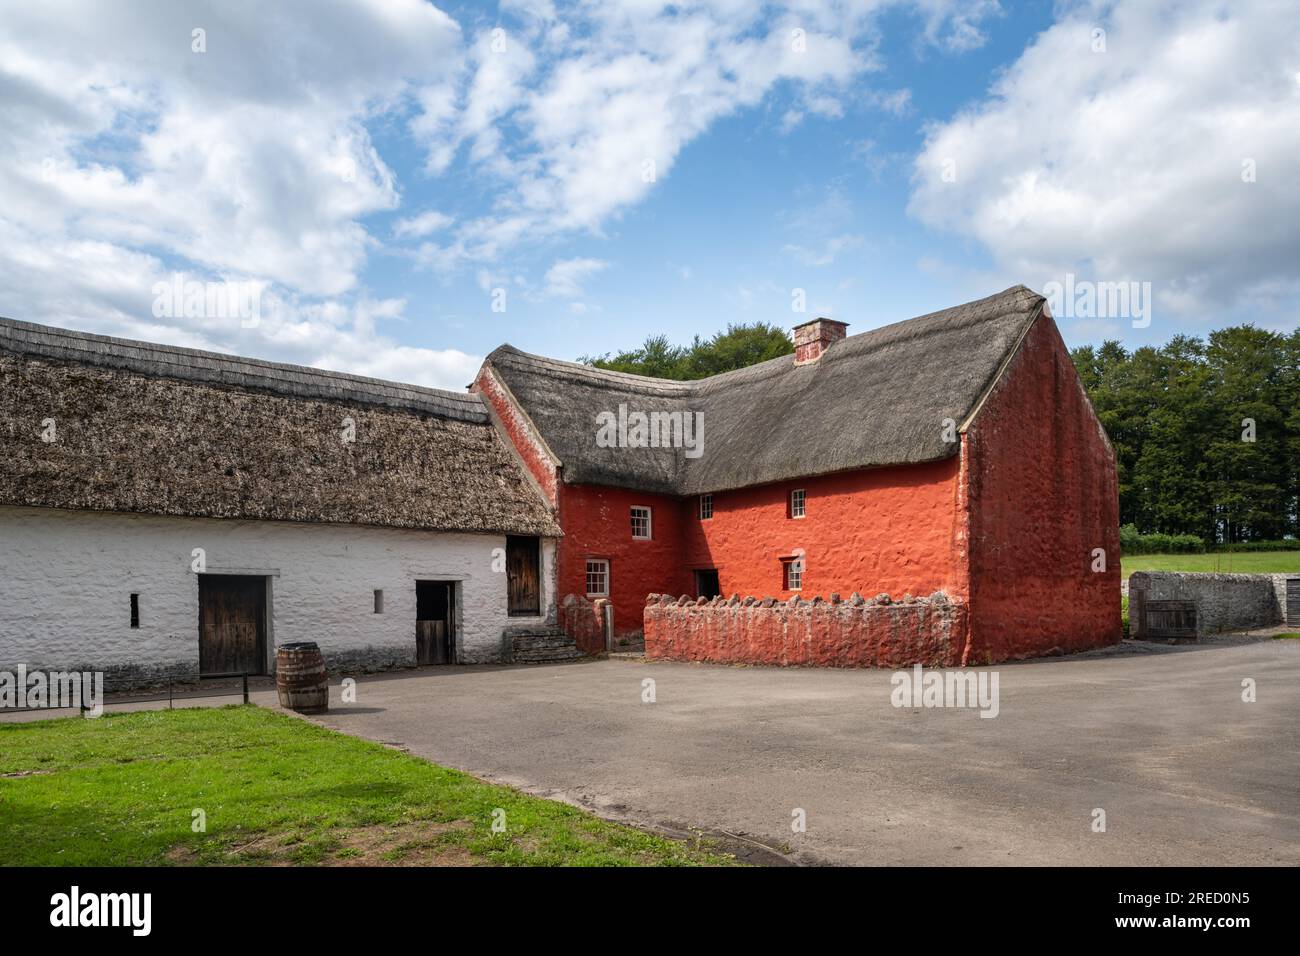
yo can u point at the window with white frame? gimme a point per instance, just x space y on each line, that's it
597 577
792 574
641 523
706 507
797 499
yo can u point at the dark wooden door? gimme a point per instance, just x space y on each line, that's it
435 622
706 584
523 575
232 624
1292 610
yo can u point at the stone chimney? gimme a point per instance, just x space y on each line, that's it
813 338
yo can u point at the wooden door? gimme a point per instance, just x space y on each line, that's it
1291 613
232 624
435 622
431 642
523 575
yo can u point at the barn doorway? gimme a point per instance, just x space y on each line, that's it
706 583
232 624
523 575
435 622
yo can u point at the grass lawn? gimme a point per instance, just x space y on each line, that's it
121 790
1245 562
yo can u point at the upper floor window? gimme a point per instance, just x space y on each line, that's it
706 507
641 529
597 577
797 499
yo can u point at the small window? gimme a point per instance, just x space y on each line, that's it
597 578
379 600
135 610
792 574
640 523
797 499
706 507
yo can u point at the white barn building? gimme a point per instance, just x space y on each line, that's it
171 513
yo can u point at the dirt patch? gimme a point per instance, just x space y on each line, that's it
420 843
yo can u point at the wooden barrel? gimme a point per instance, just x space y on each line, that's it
300 678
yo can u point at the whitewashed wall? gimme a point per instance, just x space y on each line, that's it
66 578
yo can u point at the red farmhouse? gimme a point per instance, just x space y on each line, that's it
950 465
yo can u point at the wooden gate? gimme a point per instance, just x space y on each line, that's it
232 624
1292 610
523 575
1169 618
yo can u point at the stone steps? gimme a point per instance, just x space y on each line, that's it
541 645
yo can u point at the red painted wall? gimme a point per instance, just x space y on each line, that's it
1043 494
597 523
894 530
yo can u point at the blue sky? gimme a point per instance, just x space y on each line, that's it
374 176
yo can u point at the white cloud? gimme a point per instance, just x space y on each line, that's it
129 155
565 278
1127 164
415 227
579 123
824 254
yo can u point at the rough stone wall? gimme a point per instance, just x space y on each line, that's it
1224 602
584 621
1043 497
67 576
818 633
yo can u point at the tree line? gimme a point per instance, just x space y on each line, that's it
1206 431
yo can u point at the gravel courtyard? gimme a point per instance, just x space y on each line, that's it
1159 738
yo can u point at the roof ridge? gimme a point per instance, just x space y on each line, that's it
175 361
772 365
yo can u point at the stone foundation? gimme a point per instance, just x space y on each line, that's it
797 633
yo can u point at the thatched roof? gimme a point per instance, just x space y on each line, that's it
874 399
162 430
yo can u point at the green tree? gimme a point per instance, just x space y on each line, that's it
738 347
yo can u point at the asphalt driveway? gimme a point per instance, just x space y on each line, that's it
1160 739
